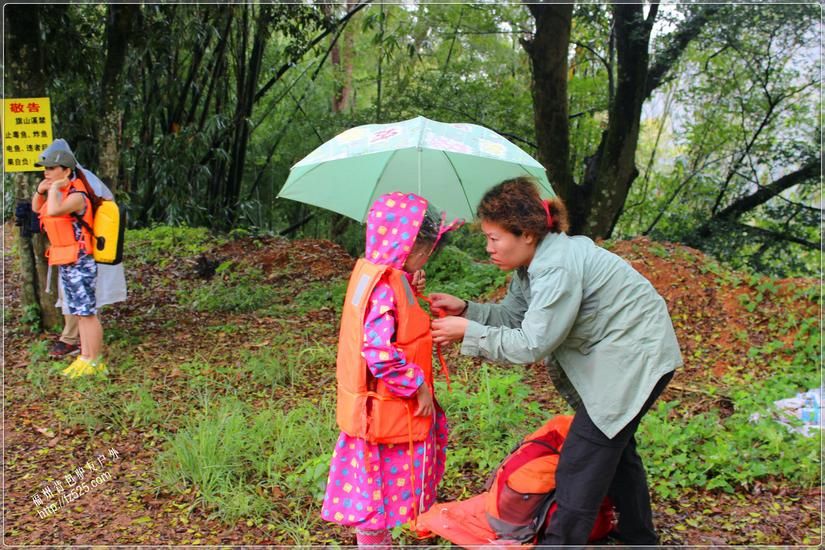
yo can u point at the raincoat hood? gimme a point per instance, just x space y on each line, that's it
393 224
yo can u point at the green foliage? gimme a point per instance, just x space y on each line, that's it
709 451
453 271
234 289
489 413
31 317
163 244
141 408
96 403
743 115
41 373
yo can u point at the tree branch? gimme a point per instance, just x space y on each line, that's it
767 234
286 66
763 195
594 52
665 60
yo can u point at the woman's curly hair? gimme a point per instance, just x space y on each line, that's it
516 205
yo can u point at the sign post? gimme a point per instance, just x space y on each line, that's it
27 131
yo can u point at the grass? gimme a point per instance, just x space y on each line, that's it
318 295
234 456
272 368
234 289
489 413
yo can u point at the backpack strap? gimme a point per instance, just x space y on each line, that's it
542 443
89 207
83 224
542 513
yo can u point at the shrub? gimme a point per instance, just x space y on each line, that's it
453 271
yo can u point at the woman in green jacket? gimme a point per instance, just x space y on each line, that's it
605 334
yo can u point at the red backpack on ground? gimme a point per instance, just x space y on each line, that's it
519 501
521 492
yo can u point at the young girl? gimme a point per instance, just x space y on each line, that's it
65 209
390 455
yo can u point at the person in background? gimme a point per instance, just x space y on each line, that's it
111 279
63 203
605 334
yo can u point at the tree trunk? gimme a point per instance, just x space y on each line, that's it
548 56
596 203
341 59
246 96
25 55
611 171
119 23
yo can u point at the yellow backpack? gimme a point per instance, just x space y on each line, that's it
109 227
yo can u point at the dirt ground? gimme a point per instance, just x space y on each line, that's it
126 508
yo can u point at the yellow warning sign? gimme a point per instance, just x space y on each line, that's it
27 131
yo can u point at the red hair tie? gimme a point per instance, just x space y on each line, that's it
546 205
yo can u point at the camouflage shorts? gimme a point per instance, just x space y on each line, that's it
79 281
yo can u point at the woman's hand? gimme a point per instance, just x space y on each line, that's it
419 281
425 401
43 186
445 304
449 329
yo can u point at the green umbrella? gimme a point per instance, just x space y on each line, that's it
450 165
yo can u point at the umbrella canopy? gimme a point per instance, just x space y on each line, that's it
450 165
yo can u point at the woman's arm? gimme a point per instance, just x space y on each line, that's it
40 194
554 305
73 202
508 313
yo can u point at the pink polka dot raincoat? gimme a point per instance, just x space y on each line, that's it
369 484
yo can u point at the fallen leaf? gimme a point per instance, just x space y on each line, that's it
45 431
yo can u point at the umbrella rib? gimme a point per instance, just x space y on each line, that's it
302 176
460 183
539 182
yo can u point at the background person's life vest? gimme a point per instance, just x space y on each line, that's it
63 246
366 407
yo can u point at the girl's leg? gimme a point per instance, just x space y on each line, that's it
377 540
91 336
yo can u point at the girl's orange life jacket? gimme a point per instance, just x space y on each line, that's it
366 407
63 247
